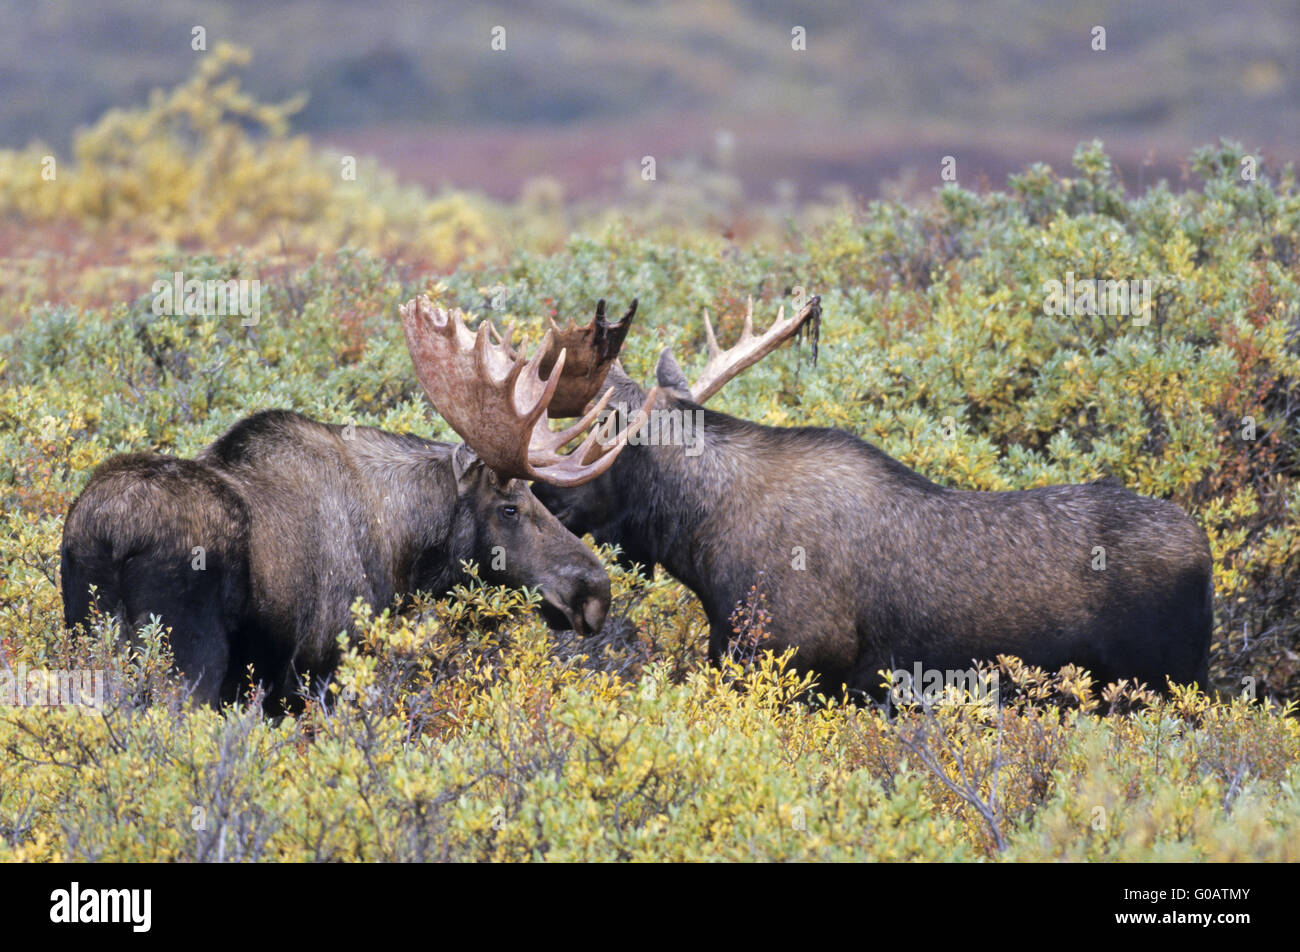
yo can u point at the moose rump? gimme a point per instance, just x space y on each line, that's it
166 537
251 554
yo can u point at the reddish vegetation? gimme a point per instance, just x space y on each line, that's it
53 257
1257 390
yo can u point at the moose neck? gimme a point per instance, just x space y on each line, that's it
414 507
690 500
689 465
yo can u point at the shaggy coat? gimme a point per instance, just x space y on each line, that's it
254 552
865 565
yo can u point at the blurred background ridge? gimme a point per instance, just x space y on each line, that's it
582 90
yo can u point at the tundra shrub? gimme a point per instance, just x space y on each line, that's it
462 729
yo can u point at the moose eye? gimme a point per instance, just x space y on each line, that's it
509 512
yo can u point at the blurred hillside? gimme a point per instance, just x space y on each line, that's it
882 92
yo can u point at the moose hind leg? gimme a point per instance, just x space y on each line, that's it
191 604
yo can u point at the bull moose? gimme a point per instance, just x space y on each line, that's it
866 566
253 552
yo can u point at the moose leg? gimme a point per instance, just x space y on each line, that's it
192 605
202 653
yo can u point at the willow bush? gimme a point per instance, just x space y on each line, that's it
463 729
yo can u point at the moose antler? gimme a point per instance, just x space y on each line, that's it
498 403
726 364
592 350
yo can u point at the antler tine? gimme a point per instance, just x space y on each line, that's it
504 338
712 341
598 323
554 439
594 455
725 365
531 379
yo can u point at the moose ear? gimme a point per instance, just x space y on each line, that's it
503 483
670 375
464 464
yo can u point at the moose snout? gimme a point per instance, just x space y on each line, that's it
594 610
582 596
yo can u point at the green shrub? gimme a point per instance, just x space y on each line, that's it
464 730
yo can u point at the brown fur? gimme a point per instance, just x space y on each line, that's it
298 519
896 569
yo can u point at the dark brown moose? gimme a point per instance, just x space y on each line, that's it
865 565
253 552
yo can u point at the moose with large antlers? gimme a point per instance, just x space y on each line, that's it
865 565
253 552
